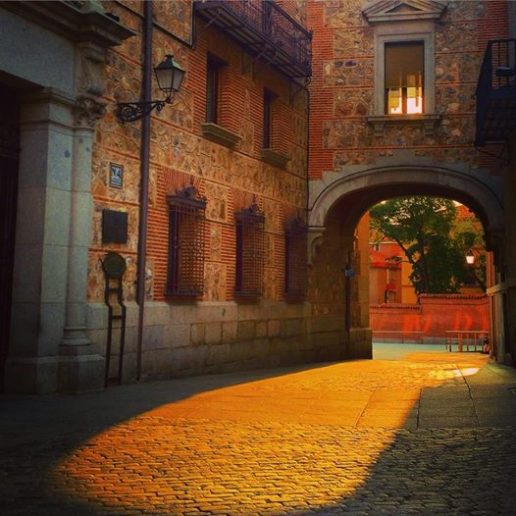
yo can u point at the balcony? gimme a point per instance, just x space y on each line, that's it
265 30
496 93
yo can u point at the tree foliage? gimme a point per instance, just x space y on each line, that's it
434 244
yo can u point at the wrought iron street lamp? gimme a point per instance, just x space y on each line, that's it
169 76
470 257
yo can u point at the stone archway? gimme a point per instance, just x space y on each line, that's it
479 191
336 204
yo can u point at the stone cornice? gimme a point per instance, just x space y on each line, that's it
220 134
76 21
404 10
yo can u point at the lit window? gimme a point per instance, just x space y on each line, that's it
404 65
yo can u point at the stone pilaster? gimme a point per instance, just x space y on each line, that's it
80 368
510 251
41 249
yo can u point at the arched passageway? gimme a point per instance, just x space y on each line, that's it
338 282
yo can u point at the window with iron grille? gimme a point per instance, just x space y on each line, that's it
186 243
250 252
295 260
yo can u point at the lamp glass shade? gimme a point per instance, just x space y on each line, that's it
470 258
169 75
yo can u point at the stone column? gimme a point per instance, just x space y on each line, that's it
80 368
41 248
510 250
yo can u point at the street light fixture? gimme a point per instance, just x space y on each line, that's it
470 257
169 75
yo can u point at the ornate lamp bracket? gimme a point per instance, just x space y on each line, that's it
132 111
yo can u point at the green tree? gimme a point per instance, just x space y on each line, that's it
425 228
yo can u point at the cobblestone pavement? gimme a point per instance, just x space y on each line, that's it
432 434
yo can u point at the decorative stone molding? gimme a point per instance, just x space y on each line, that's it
429 122
404 10
90 69
274 158
220 135
88 110
85 21
315 239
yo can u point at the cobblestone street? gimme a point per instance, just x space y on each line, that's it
434 433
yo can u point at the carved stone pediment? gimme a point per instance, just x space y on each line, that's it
403 10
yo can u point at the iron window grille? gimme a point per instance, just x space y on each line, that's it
295 260
250 252
186 246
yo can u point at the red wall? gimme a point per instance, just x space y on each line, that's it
433 316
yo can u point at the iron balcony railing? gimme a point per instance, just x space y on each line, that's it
496 93
265 30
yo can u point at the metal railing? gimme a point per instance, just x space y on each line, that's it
264 29
497 74
464 339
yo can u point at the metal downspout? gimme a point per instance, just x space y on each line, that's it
144 179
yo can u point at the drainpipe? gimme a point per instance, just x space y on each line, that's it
144 179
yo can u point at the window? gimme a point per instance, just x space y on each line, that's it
404 70
212 89
295 260
404 78
268 98
186 243
250 253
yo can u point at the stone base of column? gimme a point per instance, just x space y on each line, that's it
82 371
31 375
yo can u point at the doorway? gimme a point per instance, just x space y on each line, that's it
9 149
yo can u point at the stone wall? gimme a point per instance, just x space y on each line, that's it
350 139
344 79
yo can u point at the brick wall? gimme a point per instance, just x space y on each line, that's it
212 333
433 316
229 178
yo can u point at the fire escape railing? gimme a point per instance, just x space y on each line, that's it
265 30
496 93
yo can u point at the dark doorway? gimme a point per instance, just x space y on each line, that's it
9 148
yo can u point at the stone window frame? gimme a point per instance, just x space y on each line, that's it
399 21
392 35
